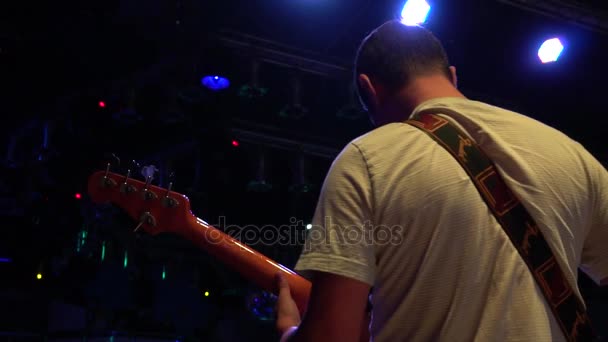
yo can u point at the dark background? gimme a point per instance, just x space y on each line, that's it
145 60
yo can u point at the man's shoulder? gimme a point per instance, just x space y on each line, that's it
384 135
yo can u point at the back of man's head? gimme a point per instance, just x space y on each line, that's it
395 54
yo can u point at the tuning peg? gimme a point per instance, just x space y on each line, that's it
146 218
125 187
135 166
148 181
148 172
171 179
112 158
170 202
107 171
107 181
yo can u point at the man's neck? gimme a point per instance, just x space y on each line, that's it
420 91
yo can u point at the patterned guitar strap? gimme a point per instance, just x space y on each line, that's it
521 228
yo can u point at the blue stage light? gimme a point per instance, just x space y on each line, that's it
262 305
415 12
550 50
215 83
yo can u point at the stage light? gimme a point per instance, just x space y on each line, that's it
253 90
300 183
262 305
125 261
309 226
235 143
77 195
215 83
103 250
295 109
5 260
39 276
550 50
101 104
81 240
260 182
415 12
206 293
164 276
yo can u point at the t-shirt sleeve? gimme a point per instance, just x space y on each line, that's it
594 259
339 241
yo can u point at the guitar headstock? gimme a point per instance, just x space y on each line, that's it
156 209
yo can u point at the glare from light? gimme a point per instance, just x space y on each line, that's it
415 12
5 260
206 293
215 83
102 104
77 195
39 276
309 226
235 143
550 50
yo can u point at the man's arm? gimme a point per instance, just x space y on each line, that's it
336 310
594 257
341 267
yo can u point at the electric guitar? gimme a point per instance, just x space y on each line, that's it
162 210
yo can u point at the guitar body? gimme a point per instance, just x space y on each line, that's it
161 210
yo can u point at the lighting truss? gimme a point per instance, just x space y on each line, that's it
577 12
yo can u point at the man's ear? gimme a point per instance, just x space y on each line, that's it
369 92
454 76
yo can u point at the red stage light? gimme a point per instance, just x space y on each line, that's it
235 143
78 195
102 104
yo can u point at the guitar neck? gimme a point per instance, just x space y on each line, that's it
249 263
161 210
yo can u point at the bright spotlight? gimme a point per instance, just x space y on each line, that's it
39 276
309 226
415 12
215 83
550 50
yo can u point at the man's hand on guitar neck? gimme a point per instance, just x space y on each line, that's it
336 310
288 316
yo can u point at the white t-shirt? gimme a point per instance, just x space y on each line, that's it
399 213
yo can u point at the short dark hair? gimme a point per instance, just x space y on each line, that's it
394 54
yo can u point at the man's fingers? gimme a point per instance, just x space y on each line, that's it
282 284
